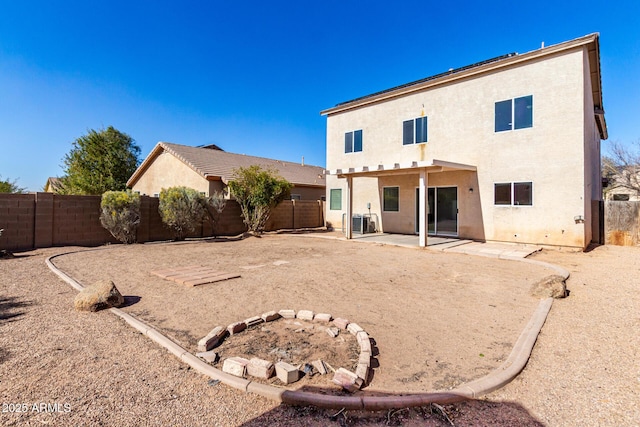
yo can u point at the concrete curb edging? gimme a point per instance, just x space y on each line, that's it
514 364
516 361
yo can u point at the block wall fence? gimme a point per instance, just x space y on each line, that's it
40 220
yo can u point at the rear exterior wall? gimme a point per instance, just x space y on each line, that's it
550 154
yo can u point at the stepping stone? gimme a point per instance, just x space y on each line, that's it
212 339
341 323
364 342
270 316
260 368
193 275
362 371
236 327
333 332
208 356
354 328
347 380
305 315
251 321
235 366
364 359
287 373
287 314
322 317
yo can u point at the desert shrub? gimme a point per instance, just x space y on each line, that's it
215 204
120 214
182 209
257 191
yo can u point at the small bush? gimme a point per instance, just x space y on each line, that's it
258 191
120 214
182 209
215 204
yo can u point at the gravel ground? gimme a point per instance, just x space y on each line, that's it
92 369
404 298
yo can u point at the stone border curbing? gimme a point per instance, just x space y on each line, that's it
514 364
218 335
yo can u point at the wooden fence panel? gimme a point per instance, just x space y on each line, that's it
622 223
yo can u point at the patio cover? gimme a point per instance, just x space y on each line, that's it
423 167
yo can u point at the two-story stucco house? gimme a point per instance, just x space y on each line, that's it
504 150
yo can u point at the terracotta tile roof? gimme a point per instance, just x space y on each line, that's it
214 163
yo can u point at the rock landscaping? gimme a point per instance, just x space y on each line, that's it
98 296
285 372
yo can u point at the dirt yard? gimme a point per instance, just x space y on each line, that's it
411 300
438 320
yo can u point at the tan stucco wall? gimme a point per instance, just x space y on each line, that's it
308 193
167 171
551 154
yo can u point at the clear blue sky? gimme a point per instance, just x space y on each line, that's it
252 76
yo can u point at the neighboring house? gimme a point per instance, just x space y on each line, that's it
623 185
503 150
208 169
53 185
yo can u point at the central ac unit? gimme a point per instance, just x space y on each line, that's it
360 224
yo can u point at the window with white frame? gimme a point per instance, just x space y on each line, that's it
514 114
513 194
391 199
414 131
353 141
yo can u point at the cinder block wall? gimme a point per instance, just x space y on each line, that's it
40 220
76 221
17 215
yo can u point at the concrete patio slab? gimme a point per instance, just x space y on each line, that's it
452 244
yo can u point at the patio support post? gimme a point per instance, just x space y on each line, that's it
349 224
422 203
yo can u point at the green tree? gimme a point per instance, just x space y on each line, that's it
9 186
182 209
120 214
258 191
100 161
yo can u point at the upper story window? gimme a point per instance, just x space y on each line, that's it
513 194
414 131
514 113
353 141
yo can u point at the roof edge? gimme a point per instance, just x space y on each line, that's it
144 165
465 72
